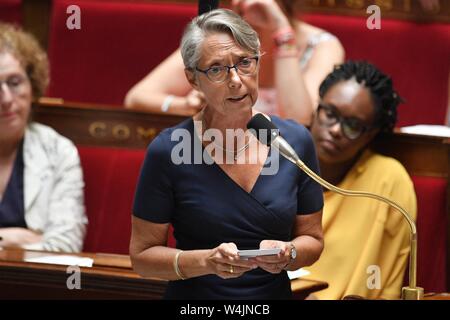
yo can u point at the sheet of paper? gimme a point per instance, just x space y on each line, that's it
63 260
428 130
298 273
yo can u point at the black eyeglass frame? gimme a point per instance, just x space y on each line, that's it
343 121
235 67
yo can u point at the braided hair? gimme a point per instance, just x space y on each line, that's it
384 96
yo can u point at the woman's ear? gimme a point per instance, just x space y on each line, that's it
190 76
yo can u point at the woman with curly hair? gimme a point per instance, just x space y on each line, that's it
41 182
366 241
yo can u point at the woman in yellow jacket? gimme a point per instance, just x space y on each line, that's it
366 241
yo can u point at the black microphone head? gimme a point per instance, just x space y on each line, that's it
264 129
207 6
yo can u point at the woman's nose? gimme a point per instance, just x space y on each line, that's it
335 130
6 95
235 79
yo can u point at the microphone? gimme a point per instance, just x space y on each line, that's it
267 133
207 5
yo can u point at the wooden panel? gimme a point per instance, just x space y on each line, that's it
111 277
421 155
103 126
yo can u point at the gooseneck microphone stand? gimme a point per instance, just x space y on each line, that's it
270 136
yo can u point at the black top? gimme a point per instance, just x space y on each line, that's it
207 208
12 211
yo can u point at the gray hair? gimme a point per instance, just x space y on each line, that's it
216 21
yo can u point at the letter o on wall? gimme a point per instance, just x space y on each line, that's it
121 132
97 129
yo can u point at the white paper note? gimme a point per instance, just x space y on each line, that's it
63 260
298 273
428 130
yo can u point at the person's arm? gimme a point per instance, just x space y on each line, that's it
307 239
326 56
293 97
297 90
294 100
67 220
165 80
151 257
18 237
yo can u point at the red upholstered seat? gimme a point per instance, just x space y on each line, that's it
432 232
416 55
110 176
118 44
11 11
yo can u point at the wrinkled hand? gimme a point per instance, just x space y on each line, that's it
274 264
16 237
263 14
225 262
195 101
430 5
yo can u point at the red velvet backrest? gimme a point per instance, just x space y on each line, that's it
432 232
417 56
110 176
11 11
117 45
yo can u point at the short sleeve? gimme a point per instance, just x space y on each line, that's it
310 193
154 200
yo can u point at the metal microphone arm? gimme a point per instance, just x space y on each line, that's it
412 292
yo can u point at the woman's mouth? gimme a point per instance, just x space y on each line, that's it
237 98
329 145
6 115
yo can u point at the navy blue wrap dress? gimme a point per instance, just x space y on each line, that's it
206 208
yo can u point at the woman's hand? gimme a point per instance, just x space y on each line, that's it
275 263
16 237
195 101
225 262
263 14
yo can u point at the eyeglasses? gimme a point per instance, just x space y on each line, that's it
15 84
218 74
352 128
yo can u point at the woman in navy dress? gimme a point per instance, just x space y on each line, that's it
225 192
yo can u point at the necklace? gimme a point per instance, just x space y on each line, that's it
233 152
